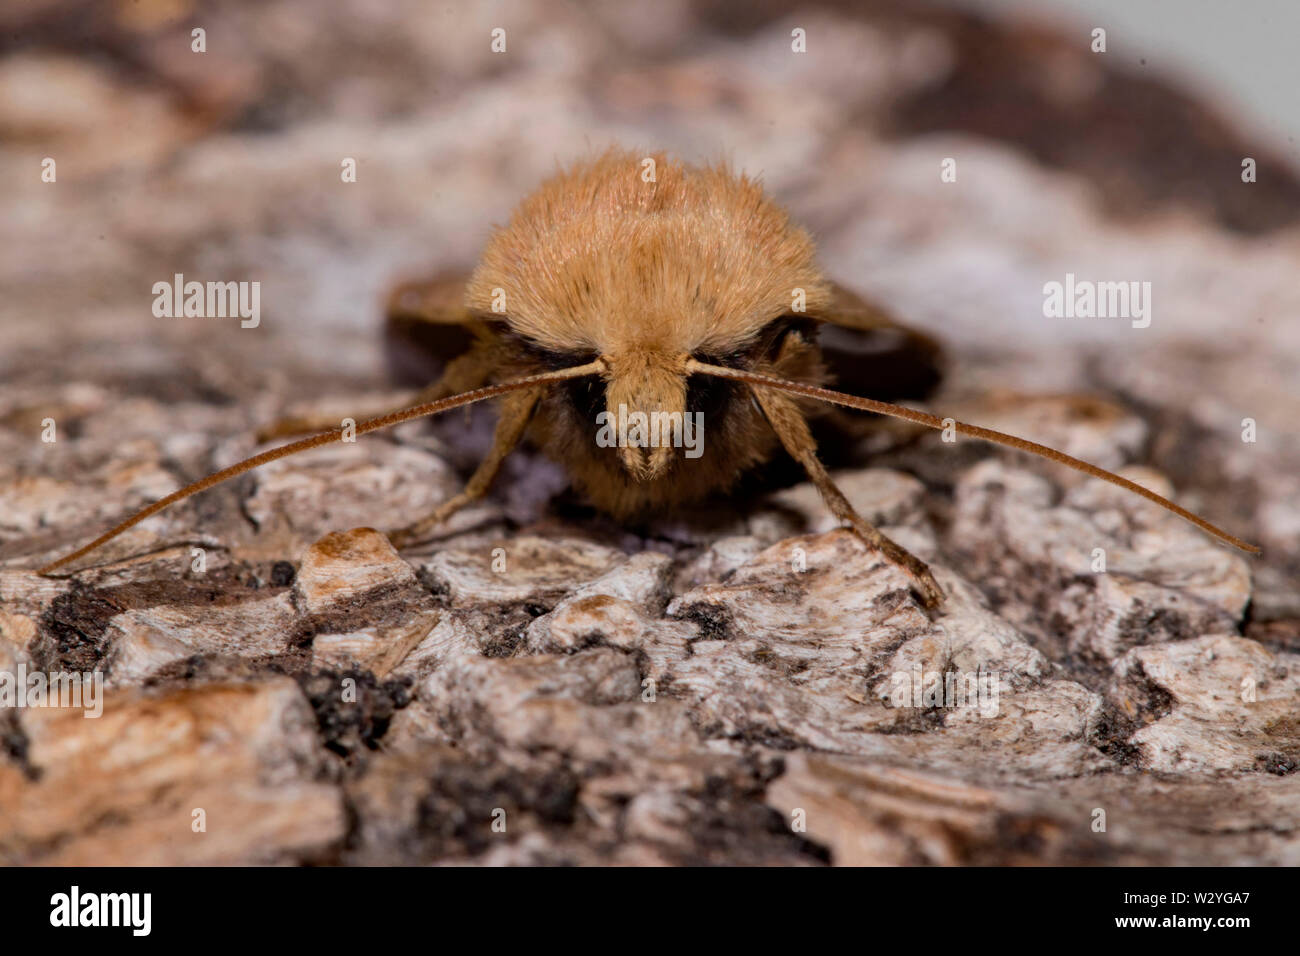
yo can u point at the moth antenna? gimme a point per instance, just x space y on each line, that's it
974 431
284 451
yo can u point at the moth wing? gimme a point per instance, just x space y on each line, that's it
426 325
870 353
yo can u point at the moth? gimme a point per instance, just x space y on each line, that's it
685 292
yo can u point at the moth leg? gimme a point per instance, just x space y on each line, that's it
790 426
463 373
516 412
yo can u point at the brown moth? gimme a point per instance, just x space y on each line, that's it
686 291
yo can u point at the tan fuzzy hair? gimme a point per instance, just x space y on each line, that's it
645 261
598 259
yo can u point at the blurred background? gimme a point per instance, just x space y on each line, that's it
225 164
1233 56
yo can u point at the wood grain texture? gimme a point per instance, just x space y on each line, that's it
689 689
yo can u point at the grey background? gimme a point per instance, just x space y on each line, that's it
1238 55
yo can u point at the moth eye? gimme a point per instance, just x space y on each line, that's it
766 345
587 396
549 358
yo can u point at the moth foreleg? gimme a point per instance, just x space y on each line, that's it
790 426
516 412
